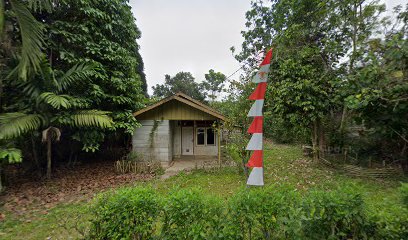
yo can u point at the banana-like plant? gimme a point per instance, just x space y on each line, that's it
51 108
31 32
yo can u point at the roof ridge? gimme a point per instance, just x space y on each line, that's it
181 97
196 101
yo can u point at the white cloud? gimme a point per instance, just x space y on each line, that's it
193 36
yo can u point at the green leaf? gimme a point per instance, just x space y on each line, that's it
56 101
32 38
76 74
15 124
92 118
40 5
12 155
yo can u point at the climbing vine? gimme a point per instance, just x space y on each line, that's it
154 129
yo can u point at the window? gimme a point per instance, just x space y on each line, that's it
210 136
205 136
200 136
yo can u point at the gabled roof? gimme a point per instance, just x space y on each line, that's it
181 97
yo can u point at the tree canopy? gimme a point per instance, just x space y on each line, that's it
68 64
181 82
213 84
332 61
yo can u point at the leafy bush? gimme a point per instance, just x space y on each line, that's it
391 223
188 214
262 213
282 131
236 150
134 156
275 212
404 193
334 215
129 213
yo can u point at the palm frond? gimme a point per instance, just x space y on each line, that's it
40 5
56 101
11 155
76 73
31 37
15 124
91 118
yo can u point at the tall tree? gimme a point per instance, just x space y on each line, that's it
97 33
15 16
47 108
310 40
380 96
103 33
181 82
213 84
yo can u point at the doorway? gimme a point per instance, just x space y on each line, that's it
187 141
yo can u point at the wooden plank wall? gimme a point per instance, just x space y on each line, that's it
175 110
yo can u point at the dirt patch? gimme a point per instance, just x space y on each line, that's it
26 194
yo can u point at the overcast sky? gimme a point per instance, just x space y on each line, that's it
191 35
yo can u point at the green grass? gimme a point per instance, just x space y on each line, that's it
44 225
283 165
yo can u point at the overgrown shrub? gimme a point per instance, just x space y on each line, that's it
275 212
236 150
392 223
334 215
404 193
262 214
129 213
189 214
135 162
281 131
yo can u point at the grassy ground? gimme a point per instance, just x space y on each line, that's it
283 165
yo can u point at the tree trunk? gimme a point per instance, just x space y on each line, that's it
48 158
351 63
35 155
315 142
343 119
322 139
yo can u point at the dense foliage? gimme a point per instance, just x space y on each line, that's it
337 66
277 212
70 71
181 82
213 84
103 33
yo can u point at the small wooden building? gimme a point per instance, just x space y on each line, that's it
177 127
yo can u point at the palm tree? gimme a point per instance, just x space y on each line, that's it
49 110
31 31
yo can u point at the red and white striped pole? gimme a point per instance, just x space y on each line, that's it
256 128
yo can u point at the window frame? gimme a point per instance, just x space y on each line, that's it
196 136
205 137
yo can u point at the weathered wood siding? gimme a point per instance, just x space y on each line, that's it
175 110
160 149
